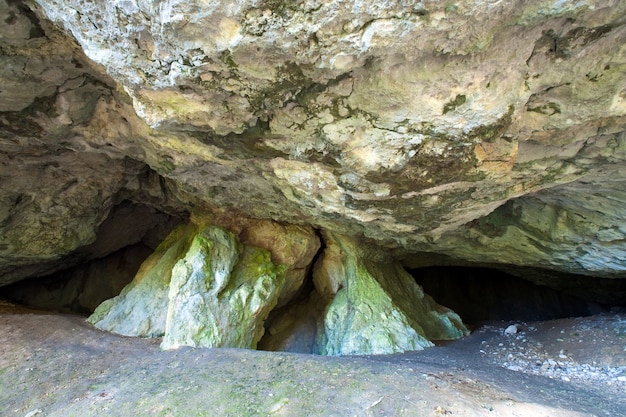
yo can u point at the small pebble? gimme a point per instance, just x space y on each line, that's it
512 329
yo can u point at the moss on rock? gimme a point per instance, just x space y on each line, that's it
221 293
201 287
378 308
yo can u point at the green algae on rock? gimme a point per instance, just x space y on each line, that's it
221 293
377 308
141 307
204 288
201 287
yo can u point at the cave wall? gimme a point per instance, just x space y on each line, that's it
469 132
482 295
488 132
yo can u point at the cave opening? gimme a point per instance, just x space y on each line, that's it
482 294
92 274
477 294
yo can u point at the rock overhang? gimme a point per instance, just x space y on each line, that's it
488 132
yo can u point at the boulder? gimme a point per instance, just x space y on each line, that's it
201 287
377 308
221 293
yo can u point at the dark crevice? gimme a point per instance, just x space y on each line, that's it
308 286
306 293
82 288
480 295
98 271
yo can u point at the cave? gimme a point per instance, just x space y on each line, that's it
80 281
480 295
312 208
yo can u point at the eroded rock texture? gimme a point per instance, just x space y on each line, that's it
203 287
468 132
376 306
68 154
410 122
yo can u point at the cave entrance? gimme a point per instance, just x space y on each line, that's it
85 278
481 295
477 294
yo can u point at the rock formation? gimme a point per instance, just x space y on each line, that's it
469 132
376 305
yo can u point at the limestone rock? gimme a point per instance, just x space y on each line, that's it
417 124
62 125
481 132
220 294
378 308
141 308
201 287
291 245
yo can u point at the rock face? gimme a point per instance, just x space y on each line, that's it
419 124
468 132
202 287
377 308
141 308
363 303
63 126
220 294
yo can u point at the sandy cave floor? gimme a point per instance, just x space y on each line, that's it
59 365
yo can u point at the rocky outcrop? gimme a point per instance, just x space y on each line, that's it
363 303
68 155
141 308
220 293
376 307
421 125
203 287
479 132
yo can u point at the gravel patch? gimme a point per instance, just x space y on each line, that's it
581 350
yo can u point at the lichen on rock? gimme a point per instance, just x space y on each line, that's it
201 287
377 307
221 293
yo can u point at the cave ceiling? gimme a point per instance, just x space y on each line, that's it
486 132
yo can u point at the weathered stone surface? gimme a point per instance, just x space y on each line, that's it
481 132
290 245
406 122
378 308
141 308
221 293
201 287
63 126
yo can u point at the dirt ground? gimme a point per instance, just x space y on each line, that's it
59 365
